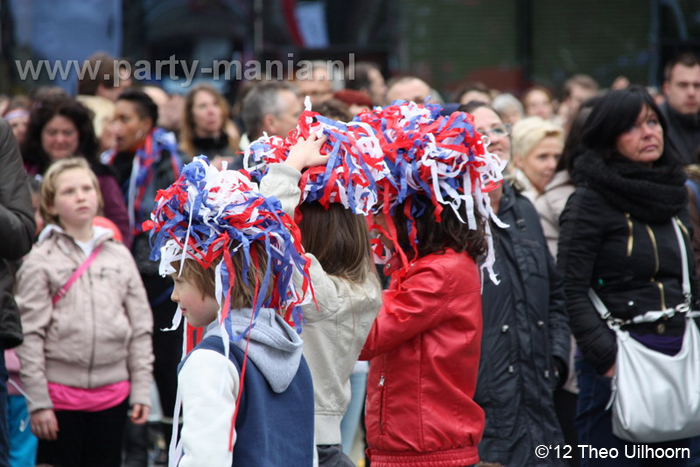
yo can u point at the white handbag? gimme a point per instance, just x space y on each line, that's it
656 397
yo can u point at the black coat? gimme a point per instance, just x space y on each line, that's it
684 133
634 267
17 229
525 332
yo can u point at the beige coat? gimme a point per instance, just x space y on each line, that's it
98 334
335 333
549 206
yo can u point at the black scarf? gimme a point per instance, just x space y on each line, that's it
211 143
651 194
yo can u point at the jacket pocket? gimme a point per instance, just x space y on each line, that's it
534 256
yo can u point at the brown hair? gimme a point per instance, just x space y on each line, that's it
187 133
687 59
338 239
242 295
48 185
584 81
335 109
103 64
434 236
534 88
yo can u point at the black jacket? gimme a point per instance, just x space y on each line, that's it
684 133
634 267
17 229
525 331
163 177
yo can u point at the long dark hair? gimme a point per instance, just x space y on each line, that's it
42 112
434 236
572 145
338 238
615 114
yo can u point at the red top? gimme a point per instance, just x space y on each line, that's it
424 350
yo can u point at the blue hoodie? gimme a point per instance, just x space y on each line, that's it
275 422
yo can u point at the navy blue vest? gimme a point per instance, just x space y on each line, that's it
272 429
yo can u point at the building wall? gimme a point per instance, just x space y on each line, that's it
510 44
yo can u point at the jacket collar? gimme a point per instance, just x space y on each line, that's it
66 243
691 121
507 198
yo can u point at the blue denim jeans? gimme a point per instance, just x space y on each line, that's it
594 426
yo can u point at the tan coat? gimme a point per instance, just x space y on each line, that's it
551 204
98 334
335 332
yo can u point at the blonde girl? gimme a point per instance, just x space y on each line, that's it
87 355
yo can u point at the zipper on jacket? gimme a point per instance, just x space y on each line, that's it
660 286
630 237
94 330
382 404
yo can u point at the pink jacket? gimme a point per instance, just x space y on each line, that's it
100 331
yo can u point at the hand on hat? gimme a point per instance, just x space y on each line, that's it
307 153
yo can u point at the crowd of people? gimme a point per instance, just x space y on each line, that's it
487 342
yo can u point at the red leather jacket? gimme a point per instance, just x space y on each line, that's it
424 347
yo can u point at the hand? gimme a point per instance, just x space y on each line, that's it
307 153
139 414
44 424
611 372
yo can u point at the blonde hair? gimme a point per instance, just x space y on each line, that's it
102 110
48 185
529 132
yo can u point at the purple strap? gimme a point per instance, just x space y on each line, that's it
76 275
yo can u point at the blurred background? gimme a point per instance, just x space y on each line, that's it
509 44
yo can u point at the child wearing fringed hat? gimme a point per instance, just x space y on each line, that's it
246 390
424 345
324 174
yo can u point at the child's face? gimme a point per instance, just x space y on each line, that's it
199 309
75 202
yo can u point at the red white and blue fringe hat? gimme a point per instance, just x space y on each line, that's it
209 214
442 157
355 164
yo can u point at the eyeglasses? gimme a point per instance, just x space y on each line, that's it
499 131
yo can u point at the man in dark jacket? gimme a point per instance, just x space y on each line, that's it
682 106
525 344
16 234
